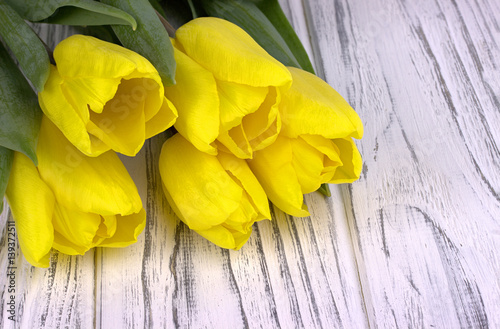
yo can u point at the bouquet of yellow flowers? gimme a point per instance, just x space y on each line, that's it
248 121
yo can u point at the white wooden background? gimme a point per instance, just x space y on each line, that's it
414 243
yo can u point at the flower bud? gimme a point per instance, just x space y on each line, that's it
315 145
103 96
217 196
234 86
71 202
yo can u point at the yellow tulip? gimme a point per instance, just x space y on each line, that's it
228 88
217 196
315 145
71 202
103 96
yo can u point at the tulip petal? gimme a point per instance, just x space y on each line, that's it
32 205
230 53
99 185
257 129
162 120
235 141
92 93
316 159
196 185
236 101
195 97
308 164
107 59
225 237
263 126
67 247
148 89
108 226
57 104
242 219
247 180
273 168
128 229
121 125
312 107
76 226
351 159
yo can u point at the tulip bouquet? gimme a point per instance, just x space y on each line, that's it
248 119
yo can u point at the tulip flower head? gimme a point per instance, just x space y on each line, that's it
228 88
217 196
103 96
71 202
315 145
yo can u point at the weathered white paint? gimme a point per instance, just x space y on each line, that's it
425 215
413 243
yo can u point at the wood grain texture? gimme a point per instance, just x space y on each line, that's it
414 243
292 272
425 214
61 296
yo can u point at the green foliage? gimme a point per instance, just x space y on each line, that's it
272 10
150 39
266 23
71 12
26 46
20 114
6 157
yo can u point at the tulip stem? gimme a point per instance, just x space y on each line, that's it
170 29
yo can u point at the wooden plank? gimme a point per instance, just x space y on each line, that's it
426 210
292 272
133 283
58 297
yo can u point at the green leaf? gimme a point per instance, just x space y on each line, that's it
150 39
26 46
250 18
72 12
79 16
6 157
20 114
273 11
